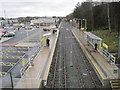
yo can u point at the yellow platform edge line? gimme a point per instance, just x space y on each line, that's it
50 60
88 56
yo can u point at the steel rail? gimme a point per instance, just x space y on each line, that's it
64 64
55 69
80 75
88 70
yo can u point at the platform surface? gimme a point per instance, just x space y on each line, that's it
33 76
104 68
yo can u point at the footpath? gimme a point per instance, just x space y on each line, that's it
104 69
38 73
5 39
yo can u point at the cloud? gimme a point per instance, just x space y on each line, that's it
39 8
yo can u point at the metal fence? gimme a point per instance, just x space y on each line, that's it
12 77
109 57
28 58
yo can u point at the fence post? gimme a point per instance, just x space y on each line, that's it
11 80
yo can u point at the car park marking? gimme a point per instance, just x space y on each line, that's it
2 73
5 44
14 57
9 48
10 56
17 51
7 63
18 47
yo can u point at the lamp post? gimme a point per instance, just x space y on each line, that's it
71 21
40 34
28 42
76 22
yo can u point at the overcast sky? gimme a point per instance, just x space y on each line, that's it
21 8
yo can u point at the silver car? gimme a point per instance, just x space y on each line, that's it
9 34
1 36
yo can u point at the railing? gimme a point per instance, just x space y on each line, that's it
10 79
108 56
32 53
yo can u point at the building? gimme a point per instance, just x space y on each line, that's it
44 21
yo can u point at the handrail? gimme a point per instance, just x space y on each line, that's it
23 69
109 56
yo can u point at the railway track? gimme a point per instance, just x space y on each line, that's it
70 68
59 76
92 81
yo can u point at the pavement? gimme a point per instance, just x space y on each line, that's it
5 39
104 69
34 76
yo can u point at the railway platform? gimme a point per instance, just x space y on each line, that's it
38 73
104 69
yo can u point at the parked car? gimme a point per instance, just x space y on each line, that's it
3 31
45 29
0 36
52 27
28 28
9 34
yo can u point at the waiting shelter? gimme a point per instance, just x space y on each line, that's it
92 39
44 38
102 47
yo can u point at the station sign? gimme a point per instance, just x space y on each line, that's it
82 28
105 45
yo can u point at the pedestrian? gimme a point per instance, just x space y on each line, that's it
95 46
53 31
18 29
48 42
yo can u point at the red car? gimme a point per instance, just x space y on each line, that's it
45 29
4 32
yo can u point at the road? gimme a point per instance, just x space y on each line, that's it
70 67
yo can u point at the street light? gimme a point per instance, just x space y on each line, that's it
75 21
27 24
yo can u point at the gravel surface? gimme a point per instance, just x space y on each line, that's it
70 68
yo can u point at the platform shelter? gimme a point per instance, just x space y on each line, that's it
92 39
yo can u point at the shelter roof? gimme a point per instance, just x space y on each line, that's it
92 35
